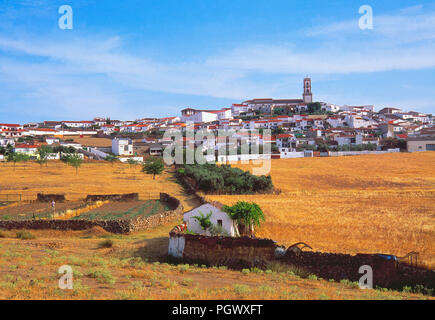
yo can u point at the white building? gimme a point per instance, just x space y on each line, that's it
198 116
78 124
237 109
218 217
26 149
421 144
122 146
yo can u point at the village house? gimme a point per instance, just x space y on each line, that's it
28 149
122 146
78 124
218 218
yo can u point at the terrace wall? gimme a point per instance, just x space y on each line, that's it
113 197
50 197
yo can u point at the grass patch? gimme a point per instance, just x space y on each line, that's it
25 235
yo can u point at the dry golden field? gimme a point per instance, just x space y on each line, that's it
94 177
87 141
131 270
356 204
366 204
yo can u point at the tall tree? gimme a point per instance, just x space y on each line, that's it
153 166
43 152
17 157
246 215
75 160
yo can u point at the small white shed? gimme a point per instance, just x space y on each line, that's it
218 217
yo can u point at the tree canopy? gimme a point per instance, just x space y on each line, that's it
153 166
246 214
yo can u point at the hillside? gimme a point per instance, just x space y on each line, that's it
356 204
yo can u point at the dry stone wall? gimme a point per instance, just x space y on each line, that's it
113 197
251 252
50 197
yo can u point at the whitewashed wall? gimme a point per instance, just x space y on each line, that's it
176 246
217 214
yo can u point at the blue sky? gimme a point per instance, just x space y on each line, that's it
141 58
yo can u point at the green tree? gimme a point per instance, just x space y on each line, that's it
74 160
314 107
43 152
246 215
153 166
204 221
17 157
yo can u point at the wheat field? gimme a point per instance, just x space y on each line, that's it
356 204
94 177
361 204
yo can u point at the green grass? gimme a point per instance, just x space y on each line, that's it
146 209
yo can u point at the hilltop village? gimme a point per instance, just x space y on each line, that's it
298 127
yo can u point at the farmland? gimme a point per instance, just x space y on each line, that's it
349 205
35 210
94 177
124 210
364 204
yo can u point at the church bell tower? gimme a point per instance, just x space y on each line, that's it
308 95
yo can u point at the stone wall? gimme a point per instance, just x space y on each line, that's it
50 197
145 223
113 197
120 226
248 252
386 273
236 253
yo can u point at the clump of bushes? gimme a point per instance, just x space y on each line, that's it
224 179
108 243
25 235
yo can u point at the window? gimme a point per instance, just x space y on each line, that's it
220 222
125 148
430 147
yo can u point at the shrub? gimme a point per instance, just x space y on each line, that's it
241 289
224 179
108 243
102 276
25 235
246 271
218 230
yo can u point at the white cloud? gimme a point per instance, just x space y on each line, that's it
71 76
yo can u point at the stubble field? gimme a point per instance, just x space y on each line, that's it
357 204
363 204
